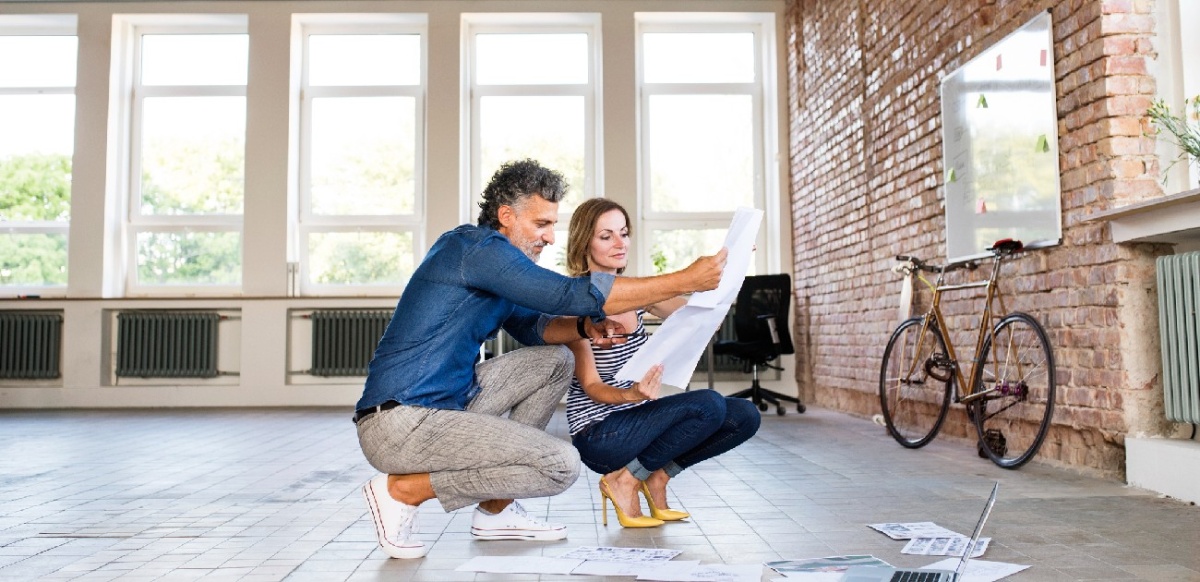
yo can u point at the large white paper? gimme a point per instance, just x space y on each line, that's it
677 345
598 568
740 242
704 573
978 570
682 338
628 555
944 546
908 531
519 565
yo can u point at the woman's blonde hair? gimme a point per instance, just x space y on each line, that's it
583 226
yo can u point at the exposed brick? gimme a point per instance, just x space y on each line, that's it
867 184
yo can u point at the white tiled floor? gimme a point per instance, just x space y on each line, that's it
261 495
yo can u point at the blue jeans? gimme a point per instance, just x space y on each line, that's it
671 433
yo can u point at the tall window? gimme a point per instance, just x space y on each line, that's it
702 132
362 158
37 135
187 156
534 85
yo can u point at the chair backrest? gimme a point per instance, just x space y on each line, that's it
765 295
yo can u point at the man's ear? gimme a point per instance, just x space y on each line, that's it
506 215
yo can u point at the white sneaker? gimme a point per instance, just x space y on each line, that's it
395 522
514 523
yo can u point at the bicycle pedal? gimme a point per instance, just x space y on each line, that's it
939 367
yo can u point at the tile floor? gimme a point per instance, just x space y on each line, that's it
263 495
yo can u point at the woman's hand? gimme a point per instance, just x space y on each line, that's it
648 388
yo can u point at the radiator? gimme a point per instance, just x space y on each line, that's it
30 345
344 340
500 345
167 344
1178 299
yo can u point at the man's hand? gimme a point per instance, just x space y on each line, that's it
601 334
648 388
705 272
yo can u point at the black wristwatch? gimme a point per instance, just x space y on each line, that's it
579 327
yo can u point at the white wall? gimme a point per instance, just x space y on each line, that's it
256 345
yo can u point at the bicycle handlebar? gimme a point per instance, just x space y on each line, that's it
1005 247
919 265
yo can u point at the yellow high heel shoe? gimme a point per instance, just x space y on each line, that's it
626 521
663 514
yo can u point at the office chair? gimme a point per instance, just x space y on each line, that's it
760 320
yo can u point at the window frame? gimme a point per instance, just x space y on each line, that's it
304 220
42 25
592 93
764 100
137 223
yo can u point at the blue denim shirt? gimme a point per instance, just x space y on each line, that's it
472 283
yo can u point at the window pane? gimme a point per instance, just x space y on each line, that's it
193 152
363 158
672 250
531 59
686 57
189 258
366 258
364 59
42 124
194 59
33 259
547 129
35 187
45 61
701 153
35 157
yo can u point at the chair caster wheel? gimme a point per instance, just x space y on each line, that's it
780 411
762 406
801 408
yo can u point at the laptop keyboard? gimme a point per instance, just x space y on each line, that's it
915 576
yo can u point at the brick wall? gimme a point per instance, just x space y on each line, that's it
866 167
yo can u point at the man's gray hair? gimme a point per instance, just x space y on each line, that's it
514 182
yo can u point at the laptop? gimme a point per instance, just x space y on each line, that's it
889 574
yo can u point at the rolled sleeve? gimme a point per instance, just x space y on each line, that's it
542 322
603 282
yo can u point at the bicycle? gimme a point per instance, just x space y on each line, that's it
1011 395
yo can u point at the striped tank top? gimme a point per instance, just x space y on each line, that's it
581 409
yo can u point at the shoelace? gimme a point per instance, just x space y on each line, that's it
520 510
409 526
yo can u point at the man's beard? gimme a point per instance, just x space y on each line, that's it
533 250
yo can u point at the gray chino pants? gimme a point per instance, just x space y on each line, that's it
476 455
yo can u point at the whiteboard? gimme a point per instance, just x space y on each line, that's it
1000 145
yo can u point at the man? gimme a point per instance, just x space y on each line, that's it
430 417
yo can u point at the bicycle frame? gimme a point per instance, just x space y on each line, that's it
968 394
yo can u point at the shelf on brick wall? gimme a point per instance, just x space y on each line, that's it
1173 219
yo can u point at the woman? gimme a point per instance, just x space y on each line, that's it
623 431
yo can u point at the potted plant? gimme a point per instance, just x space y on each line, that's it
1183 130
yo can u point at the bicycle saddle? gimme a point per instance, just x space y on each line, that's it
1007 246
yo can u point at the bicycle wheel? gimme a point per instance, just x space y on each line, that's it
1017 373
915 402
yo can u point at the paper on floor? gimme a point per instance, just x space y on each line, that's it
978 570
519 565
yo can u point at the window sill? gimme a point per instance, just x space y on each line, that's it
1173 219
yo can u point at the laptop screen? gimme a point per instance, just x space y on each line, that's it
970 549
